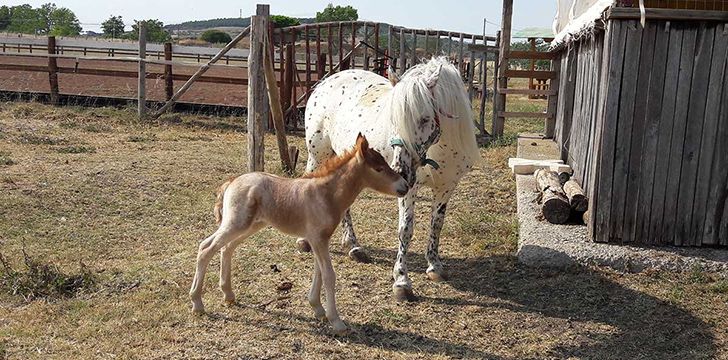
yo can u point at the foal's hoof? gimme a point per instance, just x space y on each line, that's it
402 294
438 276
359 255
341 330
198 312
230 302
303 245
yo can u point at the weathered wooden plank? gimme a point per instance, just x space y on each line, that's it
602 217
598 97
652 126
664 142
693 135
550 123
672 191
575 146
592 185
527 92
716 221
52 71
635 166
515 114
668 14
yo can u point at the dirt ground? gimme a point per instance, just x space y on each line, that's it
129 201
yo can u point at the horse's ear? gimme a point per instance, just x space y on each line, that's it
393 77
431 80
361 142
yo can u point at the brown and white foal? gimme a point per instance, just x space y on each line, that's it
310 207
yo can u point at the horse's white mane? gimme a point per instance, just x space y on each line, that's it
412 100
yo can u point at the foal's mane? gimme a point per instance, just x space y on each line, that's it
332 164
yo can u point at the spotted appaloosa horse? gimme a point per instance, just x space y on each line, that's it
403 119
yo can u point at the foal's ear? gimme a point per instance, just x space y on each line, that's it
361 142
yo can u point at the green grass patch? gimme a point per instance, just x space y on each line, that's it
142 138
5 159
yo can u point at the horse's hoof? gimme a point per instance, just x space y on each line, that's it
319 313
341 330
303 245
438 277
359 255
198 312
402 294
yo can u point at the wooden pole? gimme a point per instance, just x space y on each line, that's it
53 70
200 72
318 51
321 66
366 50
378 64
460 58
471 72
554 203
414 48
427 46
308 59
341 40
168 82
483 84
390 34
276 111
353 43
575 193
330 40
142 88
256 89
402 53
505 48
496 66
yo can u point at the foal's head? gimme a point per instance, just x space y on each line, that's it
376 173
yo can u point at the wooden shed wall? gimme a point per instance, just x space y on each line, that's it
655 160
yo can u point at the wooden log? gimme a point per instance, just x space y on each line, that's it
276 111
554 203
168 81
564 176
287 88
576 196
53 70
142 88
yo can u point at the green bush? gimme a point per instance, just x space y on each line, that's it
280 21
215 37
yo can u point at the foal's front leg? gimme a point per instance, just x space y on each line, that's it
439 205
323 258
402 287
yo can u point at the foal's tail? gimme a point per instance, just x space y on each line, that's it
218 203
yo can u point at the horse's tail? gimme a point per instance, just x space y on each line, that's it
218 203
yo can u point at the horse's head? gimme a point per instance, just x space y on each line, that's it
377 174
415 112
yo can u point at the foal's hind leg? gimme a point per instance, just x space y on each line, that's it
349 242
226 254
207 249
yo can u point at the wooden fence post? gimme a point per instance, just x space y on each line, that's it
53 70
168 82
496 67
142 89
257 101
321 66
505 47
402 53
275 106
553 101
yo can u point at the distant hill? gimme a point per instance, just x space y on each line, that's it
217 23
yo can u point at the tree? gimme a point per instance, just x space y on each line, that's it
337 13
4 17
155 31
24 19
280 21
113 27
216 36
47 19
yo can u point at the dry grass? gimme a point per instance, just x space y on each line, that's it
134 210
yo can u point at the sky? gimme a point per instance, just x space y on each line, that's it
453 15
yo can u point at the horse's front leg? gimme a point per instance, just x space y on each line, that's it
439 205
349 242
402 287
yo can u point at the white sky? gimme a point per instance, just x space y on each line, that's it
458 15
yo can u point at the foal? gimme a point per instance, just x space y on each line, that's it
310 207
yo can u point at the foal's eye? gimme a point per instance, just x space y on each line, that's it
379 169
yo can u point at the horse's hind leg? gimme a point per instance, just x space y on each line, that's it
349 242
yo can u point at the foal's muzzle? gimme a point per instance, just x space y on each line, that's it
402 188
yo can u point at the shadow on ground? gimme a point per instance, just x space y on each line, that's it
645 327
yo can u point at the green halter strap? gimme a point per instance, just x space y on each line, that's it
425 161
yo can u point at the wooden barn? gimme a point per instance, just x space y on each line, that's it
642 117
